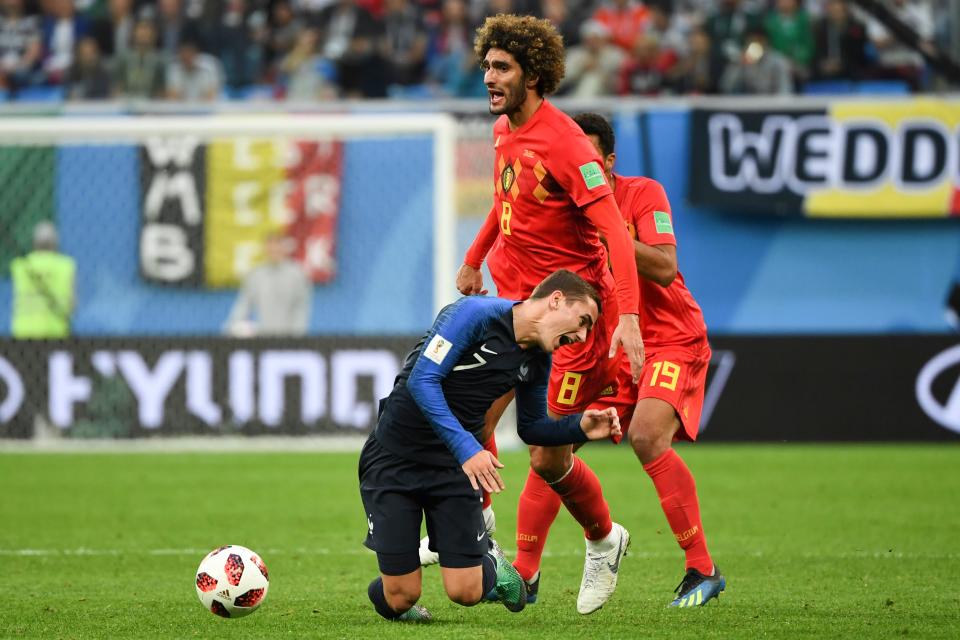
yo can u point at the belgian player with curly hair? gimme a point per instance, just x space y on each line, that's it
551 205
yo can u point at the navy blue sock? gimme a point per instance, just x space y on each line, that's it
489 573
375 593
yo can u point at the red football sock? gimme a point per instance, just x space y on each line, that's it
536 511
491 446
582 495
678 497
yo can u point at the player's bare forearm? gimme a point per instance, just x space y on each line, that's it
657 263
470 281
627 335
486 236
481 469
598 425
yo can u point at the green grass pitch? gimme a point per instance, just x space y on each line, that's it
816 542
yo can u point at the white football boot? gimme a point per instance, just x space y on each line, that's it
601 569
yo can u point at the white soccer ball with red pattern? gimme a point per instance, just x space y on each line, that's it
232 581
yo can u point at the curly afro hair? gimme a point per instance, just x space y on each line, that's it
534 43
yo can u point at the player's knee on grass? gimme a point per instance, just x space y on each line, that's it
652 428
551 463
463 585
402 592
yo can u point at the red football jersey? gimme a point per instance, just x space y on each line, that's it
544 172
668 315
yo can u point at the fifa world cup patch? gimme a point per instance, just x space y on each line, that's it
592 175
437 349
662 220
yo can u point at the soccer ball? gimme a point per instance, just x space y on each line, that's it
232 581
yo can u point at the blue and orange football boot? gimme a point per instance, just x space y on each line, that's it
696 589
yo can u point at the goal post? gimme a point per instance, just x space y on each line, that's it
41 131
165 215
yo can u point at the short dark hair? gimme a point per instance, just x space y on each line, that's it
594 124
535 43
569 284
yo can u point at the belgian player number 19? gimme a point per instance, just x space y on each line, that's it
505 215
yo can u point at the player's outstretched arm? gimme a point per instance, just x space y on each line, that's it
455 329
469 277
600 424
481 469
535 427
606 216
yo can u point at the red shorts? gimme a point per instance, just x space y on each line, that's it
676 375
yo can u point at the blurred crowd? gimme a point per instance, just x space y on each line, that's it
199 50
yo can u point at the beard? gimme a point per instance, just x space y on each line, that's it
514 95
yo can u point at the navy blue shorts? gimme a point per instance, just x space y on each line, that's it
398 492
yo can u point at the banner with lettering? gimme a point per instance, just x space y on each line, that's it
127 388
207 208
172 182
758 388
850 160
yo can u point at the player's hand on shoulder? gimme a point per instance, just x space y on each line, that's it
599 424
482 471
628 335
470 281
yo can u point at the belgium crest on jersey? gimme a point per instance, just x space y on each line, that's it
507 176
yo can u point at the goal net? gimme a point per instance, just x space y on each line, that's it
170 222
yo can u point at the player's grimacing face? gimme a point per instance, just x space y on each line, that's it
505 82
568 321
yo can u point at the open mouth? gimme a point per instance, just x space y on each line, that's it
496 97
565 340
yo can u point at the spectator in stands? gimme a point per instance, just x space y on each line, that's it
593 67
311 10
839 44
699 70
760 70
351 37
194 76
43 288
788 27
277 294
404 45
896 60
728 26
62 30
451 63
567 17
170 24
285 28
626 19
114 31
88 77
672 35
483 8
237 39
140 72
645 71
20 45
307 75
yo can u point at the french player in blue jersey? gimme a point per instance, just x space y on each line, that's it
425 455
